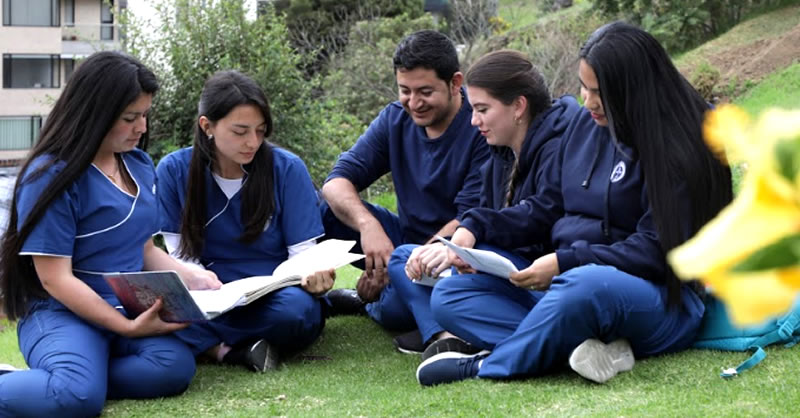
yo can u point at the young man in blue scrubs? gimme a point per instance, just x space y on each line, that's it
426 142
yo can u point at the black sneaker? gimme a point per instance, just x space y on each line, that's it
448 368
409 343
345 302
450 344
259 356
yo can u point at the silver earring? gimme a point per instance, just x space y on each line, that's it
211 137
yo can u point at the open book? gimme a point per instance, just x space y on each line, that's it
482 260
139 290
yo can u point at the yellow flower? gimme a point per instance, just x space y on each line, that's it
765 211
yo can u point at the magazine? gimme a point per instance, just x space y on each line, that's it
137 291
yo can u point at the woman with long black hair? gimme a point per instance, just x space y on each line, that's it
84 204
633 179
239 206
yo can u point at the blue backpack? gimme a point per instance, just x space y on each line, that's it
717 333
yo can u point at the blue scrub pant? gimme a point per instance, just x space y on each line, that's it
531 334
417 298
290 319
388 311
75 366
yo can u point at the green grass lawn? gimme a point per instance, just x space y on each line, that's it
353 370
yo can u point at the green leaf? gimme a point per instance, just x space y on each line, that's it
787 153
783 253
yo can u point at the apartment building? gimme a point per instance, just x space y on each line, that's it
40 42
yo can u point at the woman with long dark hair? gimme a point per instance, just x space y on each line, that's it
237 205
632 180
513 109
84 204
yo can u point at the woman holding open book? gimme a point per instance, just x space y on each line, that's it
514 111
239 206
84 204
632 180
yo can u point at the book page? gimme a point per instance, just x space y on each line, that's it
215 302
426 280
329 254
482 260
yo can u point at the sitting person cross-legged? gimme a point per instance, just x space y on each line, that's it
633 179
512 108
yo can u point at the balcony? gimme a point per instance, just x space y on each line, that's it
84 39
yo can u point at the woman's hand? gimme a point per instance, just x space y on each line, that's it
465 239
149 323
319 282
200 279
428 260
538 275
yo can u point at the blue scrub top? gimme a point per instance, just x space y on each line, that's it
101 227
296 217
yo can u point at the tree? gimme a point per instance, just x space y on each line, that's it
361 78
192 42
322 27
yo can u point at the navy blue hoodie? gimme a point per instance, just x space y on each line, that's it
591 205
541 144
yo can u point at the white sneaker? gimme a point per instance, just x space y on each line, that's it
7 368
599 362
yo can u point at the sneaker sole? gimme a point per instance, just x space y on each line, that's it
445 355
407 351
599 362
270 357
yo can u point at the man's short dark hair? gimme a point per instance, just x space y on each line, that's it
427 49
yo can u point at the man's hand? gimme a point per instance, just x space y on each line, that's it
428 260
538 275
369 286
377 248
148 323
319 282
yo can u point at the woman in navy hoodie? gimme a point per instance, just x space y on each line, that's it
513 109
632 180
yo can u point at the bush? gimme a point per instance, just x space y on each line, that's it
705 79
552 45
361 78
184 52
321 28
682 24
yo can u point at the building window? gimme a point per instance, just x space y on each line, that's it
31 71
106 20
31 13
69 12
69 67
17 133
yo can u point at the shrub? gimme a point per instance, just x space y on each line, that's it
361 78
705 79
184 53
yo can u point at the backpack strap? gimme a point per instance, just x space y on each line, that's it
756 358
789 325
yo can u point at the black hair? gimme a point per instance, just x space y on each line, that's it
224 91
427 49
507 75
93 99
651 107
